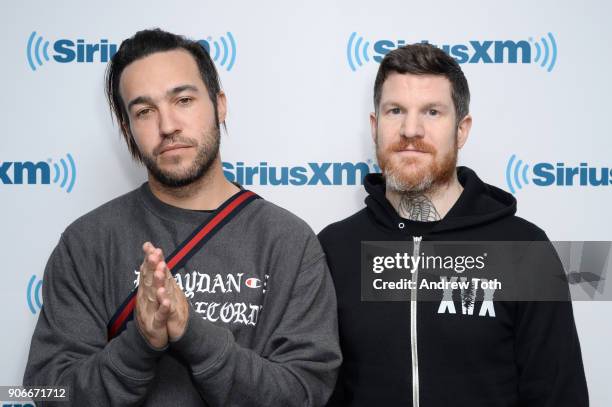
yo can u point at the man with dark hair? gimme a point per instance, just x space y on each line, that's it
243 310
420 353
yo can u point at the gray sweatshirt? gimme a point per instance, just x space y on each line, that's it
262 328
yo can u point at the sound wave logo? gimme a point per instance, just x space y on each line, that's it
33 296
33 173
546 56
85 51
357 50
558 174
541 52
34 52
515 172
65 173
222 51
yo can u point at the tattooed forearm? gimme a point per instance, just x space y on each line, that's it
417 207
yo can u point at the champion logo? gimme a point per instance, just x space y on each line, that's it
253 282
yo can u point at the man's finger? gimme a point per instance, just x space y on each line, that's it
146 299
145 275
147 247
160 318
151 260
169 281
158 254
160 275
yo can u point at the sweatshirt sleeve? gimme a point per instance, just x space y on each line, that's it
69 346
549 361
300 362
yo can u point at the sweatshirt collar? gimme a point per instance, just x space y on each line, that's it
169 212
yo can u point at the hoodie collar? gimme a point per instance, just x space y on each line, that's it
478 203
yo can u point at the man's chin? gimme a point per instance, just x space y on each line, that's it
174 181
175 178
177 171
402 184
411 177
411 173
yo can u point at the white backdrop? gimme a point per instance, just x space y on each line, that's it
293 100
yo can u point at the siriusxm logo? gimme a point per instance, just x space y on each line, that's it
326 173
66 50
33 296
29 172
545 174
542 52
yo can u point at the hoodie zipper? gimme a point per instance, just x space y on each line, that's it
413 324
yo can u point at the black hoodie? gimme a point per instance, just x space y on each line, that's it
407 354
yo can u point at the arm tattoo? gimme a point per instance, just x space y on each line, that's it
417 207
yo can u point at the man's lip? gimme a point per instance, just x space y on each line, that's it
411 151
173 147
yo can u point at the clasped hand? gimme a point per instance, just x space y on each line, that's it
161 306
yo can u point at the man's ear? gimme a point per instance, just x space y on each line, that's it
463 130
373 126
221 106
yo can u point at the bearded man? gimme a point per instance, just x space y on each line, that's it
247 316
420 353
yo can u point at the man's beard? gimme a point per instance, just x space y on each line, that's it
421 179
206 154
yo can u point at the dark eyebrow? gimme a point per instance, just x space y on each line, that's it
140 100
172 92
179 89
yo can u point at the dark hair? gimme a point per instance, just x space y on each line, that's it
423 59
145 43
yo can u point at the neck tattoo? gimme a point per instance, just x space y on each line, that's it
417 207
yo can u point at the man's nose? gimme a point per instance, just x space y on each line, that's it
412 126
168 122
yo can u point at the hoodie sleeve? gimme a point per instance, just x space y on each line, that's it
549 360
301 359
69 346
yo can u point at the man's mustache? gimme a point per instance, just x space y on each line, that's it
176 140
412 144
